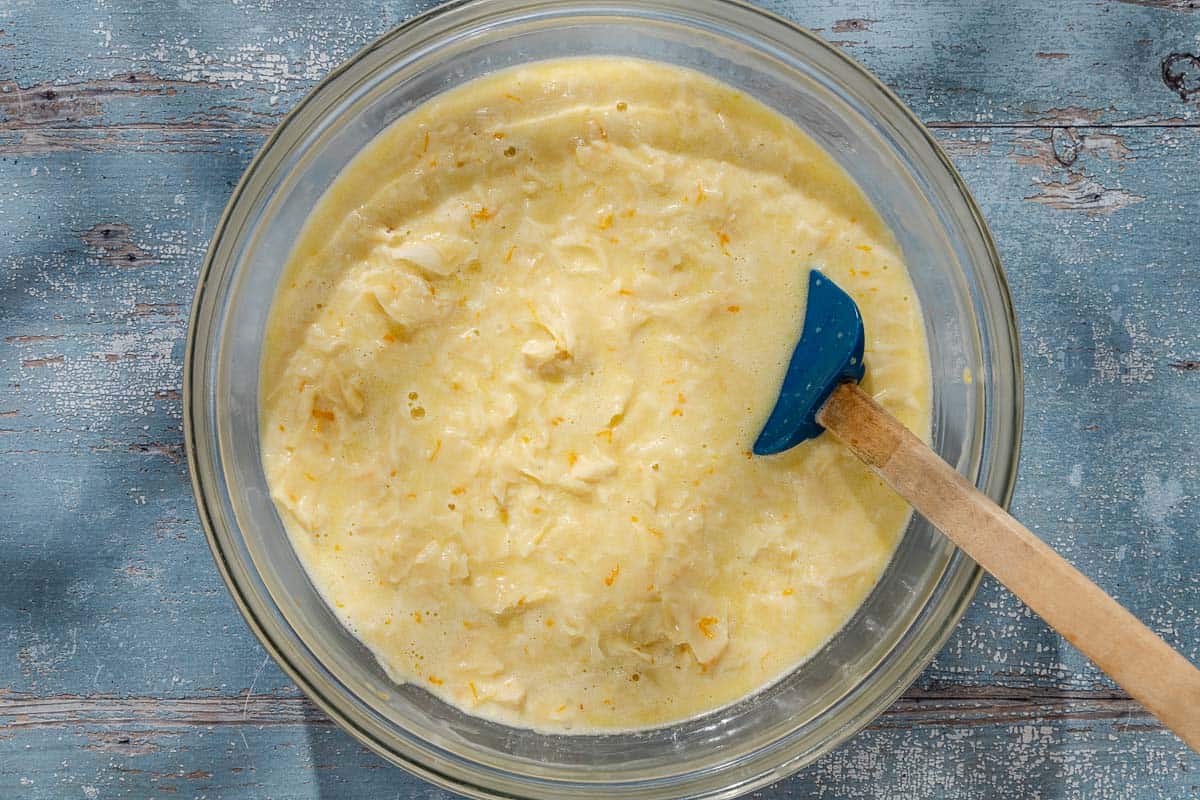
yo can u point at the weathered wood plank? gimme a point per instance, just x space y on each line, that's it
258 746
157 67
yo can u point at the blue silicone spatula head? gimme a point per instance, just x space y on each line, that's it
830 352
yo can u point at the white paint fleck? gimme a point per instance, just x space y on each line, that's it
1159 497
1075 478
1134 365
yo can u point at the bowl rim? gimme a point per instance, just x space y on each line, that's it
1001 471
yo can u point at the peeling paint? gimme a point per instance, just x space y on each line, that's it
114 241
1079 193
853 25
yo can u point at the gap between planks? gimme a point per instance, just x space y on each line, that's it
262 130
964 706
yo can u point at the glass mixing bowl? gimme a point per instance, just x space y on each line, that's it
976 397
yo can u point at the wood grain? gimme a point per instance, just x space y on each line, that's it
1081 156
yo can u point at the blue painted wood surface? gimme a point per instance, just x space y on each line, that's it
125 670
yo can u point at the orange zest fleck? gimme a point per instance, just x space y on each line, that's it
705 624
612 576
514 98
723 239
866 248
508 256
437 448
425 147
675 412
436 681
633 518
557 421
606 222
625 293
605 434
483 215
474 691
733 309
417 618
699 193
572 458
498 135
550 623
387 337
788 592
458 490
319 413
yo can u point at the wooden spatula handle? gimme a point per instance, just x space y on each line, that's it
1134 656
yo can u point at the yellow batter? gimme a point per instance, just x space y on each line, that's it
512 378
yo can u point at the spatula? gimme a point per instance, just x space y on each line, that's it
820 392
